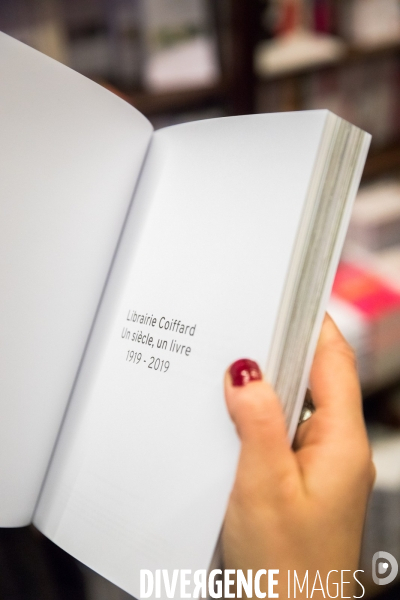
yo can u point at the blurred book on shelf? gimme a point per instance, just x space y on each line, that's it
300 38
282 16
324 15
160 45
373 238
382 527
125 21
39 24
375 308
305 33
375 222
366 294
180 45
88 37
99 38
365 93
369 23
337 55
105 40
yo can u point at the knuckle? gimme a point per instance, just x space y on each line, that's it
288 490
258 413
255 396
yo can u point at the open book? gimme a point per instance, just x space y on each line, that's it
135 267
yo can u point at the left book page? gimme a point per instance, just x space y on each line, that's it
70 155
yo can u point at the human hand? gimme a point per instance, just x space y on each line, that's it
301 508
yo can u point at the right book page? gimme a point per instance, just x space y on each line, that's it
147 456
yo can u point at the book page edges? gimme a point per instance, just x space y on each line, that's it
326 163
271 371
329 281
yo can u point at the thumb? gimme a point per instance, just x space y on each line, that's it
266 459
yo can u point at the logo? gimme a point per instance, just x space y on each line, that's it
384 568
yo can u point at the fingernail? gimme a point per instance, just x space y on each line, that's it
243 371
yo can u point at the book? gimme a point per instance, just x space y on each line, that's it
39 24
135 267
372 305
375 223
297 44
180 51
356 92
369 23
365 302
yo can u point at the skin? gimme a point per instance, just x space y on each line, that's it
301 507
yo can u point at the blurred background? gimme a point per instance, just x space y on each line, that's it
181 60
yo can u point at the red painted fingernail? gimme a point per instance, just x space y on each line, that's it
243 371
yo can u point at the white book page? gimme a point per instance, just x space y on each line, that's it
70 153
144 467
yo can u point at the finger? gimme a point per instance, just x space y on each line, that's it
335 434
266 457
334 380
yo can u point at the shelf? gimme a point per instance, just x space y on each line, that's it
354 54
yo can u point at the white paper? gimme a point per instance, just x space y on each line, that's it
144 468
70 153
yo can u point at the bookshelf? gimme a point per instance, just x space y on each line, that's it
352 55
240 87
